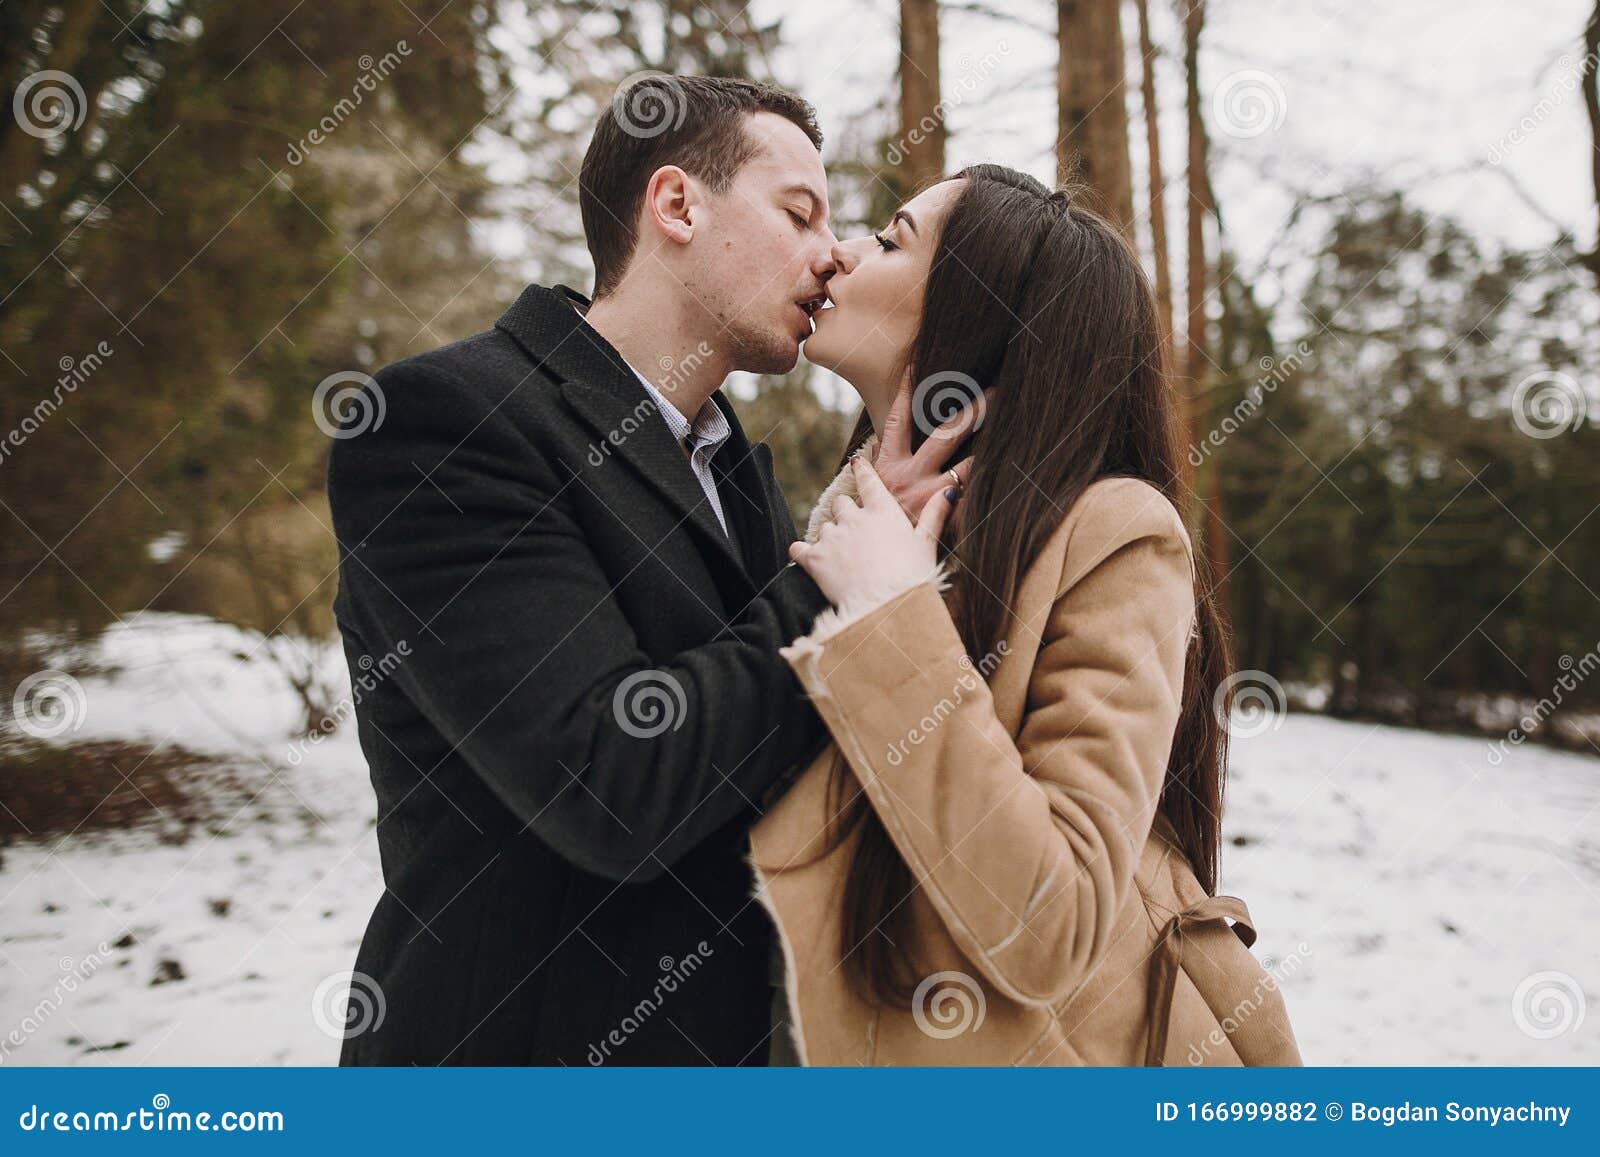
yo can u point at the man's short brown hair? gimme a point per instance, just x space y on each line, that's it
694 122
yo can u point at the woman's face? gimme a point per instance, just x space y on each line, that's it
876 295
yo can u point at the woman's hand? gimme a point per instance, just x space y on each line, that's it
914 477
872 549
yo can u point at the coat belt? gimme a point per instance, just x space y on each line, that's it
1169 961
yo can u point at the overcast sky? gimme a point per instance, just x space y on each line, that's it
1402 91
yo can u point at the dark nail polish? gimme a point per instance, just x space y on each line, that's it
952 493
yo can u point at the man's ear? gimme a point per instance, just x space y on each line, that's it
671 204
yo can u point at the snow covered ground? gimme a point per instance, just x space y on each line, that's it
1446 892
1421 902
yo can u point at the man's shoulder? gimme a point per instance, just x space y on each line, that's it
479 361
484 370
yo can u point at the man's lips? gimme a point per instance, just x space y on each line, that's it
813 308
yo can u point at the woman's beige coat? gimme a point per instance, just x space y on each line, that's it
1055 924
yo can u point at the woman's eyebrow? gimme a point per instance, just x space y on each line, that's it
902 215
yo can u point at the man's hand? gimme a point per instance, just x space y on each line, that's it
914 478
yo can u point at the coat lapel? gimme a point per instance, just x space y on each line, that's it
754 497
606 394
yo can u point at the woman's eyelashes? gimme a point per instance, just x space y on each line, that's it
884 243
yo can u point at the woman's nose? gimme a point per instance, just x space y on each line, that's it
844 259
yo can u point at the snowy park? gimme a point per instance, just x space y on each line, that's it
1419 902
535 332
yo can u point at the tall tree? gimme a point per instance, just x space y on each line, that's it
192 236
1197 360
1091 103
922 133
1591 104
1152 135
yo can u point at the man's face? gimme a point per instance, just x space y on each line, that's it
763 247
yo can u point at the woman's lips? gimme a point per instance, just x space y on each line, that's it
813 308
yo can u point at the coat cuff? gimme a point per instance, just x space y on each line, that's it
836 619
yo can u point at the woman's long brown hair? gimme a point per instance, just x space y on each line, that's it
1039 296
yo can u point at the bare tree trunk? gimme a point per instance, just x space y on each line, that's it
1591 105
1158 207
1196 356
1091 110
921 121
1198 361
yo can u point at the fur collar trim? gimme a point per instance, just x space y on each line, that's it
844 483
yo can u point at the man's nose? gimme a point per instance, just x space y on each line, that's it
826 262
